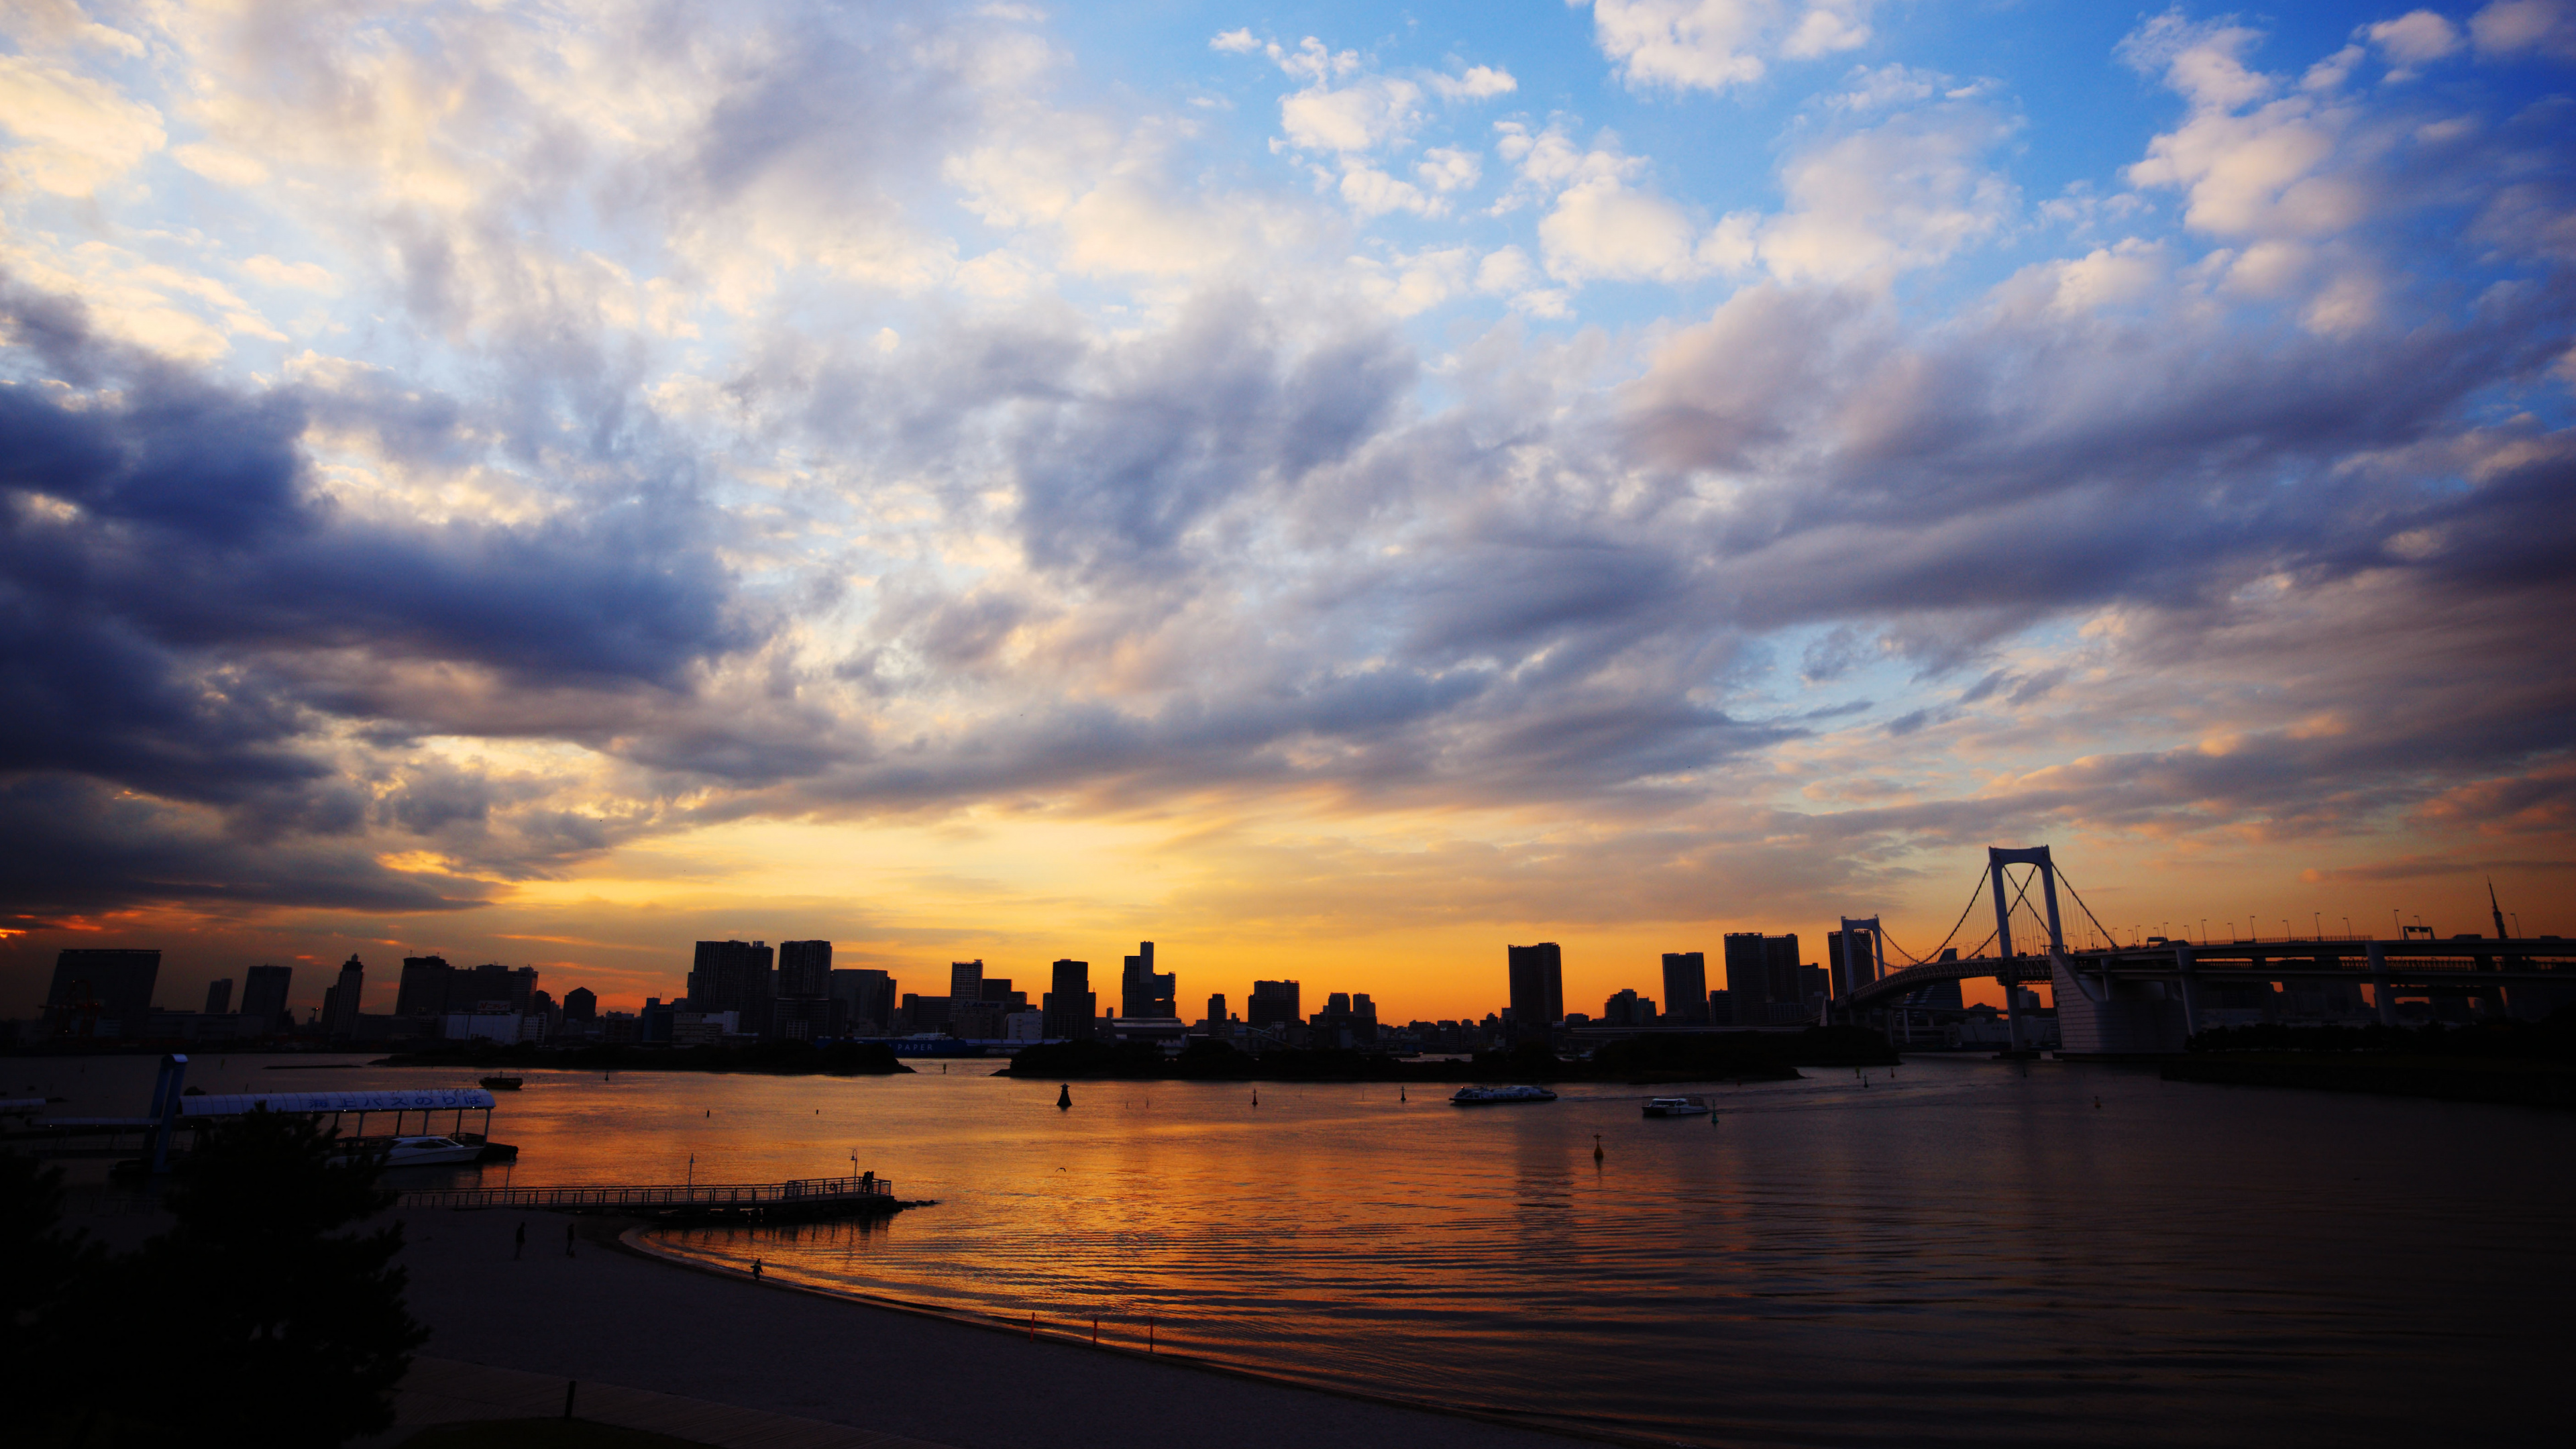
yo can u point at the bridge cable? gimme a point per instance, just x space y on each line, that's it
1974 896
2088 911
2018 897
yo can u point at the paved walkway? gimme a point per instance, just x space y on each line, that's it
609 1316
445 1391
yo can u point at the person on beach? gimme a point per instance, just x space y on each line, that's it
520 1244
755 1270
567 1240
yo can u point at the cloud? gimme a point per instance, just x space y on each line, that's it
2416 37
2515 27
1476 83
74 133
1716 44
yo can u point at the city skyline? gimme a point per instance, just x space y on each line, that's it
1315 485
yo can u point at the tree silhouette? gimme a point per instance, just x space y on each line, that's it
261 1305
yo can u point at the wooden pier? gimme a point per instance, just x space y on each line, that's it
809 1197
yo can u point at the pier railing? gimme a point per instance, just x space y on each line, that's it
814 1194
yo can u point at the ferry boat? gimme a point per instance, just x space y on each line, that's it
1485 1096
429 1151
1675 1107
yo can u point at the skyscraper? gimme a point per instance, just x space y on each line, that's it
1273 1003
966 980
581 1004
1072 1007
340 1000
866 999
1538 989
1216 1010
1748 976
1686 986
116 983
1143 991
804 968
264 990
732 976
425 986
219 996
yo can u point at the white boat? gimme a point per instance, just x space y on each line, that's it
424 1151
1482 1096
1675 1107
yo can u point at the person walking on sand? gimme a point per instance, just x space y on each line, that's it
567 1240
520 1244
755 1270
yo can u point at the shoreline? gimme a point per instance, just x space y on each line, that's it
634 1240
611 1312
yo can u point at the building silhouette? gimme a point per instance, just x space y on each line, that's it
93 984
1538 989
340 1000
581 1004
1686 986
1273 1003
423 989
732 976
1764 983
865 999
1145 992
1071 1007
804 968
264 992
219 996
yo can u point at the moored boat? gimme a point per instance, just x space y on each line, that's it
1675 1107
1495 1096
501 1084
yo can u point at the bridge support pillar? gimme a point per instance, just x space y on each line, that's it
2190 990
2382 994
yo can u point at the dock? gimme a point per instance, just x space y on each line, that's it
866 1195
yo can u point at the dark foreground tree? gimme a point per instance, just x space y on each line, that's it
45 1275
256 1310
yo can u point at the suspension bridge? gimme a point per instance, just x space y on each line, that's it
2146 998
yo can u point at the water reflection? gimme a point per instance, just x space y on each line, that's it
1963 1253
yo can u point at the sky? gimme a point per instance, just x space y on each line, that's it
1331 489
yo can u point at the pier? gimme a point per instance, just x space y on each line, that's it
804 1198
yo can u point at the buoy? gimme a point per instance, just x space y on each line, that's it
1399 1095
1064 1095
1596 1147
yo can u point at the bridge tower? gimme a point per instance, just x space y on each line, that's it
1997 857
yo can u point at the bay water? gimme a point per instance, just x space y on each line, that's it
1958 1251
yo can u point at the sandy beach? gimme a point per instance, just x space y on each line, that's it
608 1315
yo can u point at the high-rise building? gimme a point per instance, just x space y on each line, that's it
1273 1003
1686 986
1216 1009
1146 992
219 996
493 989
1538 989
1763 981
966 980
581 1004
1072 1007
264 990
426 987
113 983
1721 1008
340 1000
733 976
804 968
866 999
